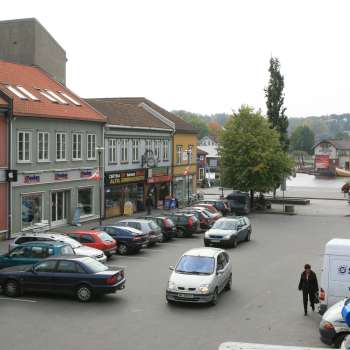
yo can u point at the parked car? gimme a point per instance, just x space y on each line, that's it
200 275
128 239
167 226
78 248
148 227
221 205
239 202
228 232
83 277
216 215
186 223
205 219
333 328
95 239
30 253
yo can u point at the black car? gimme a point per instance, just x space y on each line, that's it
186 223
167 226
81 276
239 202
221 205
129 239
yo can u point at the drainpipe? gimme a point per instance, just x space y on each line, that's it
172 162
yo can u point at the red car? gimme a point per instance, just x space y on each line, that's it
211 209
95 239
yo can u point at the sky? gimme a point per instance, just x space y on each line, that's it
199 55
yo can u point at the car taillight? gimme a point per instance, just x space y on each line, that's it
137 238
322 295
167 223
112 280
190 221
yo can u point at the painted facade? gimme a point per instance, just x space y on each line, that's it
3 167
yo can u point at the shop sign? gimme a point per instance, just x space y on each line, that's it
124 177
29 179
179 178
158 179
85 173
61 176
161 171
322 161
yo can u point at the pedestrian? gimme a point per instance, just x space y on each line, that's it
149 204
309 286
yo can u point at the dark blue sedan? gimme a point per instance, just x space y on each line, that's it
81 276
128 239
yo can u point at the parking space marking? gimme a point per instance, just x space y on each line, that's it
20 300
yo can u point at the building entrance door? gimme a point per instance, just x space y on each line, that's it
59 208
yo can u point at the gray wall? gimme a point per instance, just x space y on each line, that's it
26 41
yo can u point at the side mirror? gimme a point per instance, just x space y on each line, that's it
172 267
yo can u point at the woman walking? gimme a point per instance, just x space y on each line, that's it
309 286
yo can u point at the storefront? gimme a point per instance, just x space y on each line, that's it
52 198
122 187
183 185
158 185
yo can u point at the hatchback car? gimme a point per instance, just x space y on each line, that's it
186 223
78 248
200 275
128 239
30 253
167 226
83 277
148 227
205 218
229 232
216 215
95 239
220 204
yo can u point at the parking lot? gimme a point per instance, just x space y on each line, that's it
264 305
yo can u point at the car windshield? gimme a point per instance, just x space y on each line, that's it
225 225
196 265
94 266
105 236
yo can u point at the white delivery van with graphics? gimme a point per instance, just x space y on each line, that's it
335 281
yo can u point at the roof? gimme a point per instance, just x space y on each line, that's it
201 151
119 112
338 246
212 151
180 124
338 144
210 252
36 81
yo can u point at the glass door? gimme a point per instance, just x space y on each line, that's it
58 208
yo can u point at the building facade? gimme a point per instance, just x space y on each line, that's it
201 167
55 136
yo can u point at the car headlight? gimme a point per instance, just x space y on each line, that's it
171 285
204 288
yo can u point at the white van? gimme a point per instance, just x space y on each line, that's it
335 281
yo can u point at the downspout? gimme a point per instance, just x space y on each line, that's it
172 162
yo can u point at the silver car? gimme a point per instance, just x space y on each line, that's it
200 275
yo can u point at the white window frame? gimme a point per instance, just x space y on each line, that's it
124 154
91 146
43 134
148 145
76 146
178 154
135 150
190 154
201 174
112 151
165 150
30 135
157 150
63 155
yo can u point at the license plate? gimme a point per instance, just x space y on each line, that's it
215 241
189 296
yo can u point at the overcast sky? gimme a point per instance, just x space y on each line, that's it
202 56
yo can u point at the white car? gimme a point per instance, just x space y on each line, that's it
78 248
200 275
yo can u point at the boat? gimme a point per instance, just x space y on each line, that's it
342 172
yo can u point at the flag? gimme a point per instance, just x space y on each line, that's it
95 176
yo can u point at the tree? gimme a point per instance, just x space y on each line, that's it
196 120
214 129
274 102
341 135
252 158
302 139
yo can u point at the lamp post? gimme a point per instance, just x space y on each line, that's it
188 151
99 150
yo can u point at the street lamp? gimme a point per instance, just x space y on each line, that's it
188 151
99 150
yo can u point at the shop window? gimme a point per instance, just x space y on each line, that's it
91 146
32 210
43 146
85 200
77 146
112 151
24 145
178 154
61 146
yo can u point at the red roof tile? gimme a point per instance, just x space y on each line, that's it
34 78
3 103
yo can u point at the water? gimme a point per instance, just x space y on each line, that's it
305 180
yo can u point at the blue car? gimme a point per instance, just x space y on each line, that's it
128 239
33 252
81 276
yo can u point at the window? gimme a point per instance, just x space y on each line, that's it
85 201
46 266
135 150
61 146
91 146
189 155
124 150
201 173
24 146
38 253
43 146
157 149
77 146
32 210
166 150
148 145
66 266
178 154
87 239
20 252
112 151
67 250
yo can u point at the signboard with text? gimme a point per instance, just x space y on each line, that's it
122 177
322 161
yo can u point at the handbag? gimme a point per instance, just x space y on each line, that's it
316 299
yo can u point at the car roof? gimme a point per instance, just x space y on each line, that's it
41 234
136 220
44 243
236 218
181 213
128 228
68 257
206 251
83 232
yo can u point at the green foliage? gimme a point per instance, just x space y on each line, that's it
302 139
196 120
252 158
274 102
340 135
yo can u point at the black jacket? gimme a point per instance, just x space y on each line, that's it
309 285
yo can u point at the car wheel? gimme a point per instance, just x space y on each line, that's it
229 283
215 297
234 242
248 237
170 302
122 249
12 289
206 244
84 293
339 339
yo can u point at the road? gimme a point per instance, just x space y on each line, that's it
264 305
